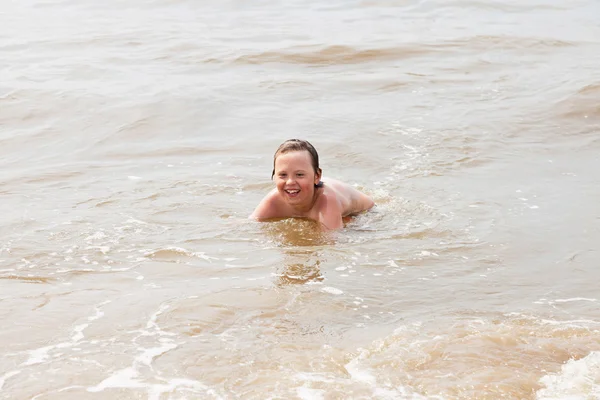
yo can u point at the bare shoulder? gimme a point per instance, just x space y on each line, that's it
329 209
267 208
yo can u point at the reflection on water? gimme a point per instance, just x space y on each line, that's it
300 267
302 242
297 232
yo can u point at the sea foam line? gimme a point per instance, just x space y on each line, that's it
130 377
127 379
574 299
40 355
6 376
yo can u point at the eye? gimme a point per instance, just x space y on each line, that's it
300 174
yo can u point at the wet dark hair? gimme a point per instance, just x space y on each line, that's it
299 145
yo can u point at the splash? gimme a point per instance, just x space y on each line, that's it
578 379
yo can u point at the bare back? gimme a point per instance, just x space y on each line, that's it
350 199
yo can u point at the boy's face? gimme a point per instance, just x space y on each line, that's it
295 177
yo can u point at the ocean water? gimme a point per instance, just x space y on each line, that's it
137 137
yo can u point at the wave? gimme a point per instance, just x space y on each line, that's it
171 252
29 279
578 379
486 356
344 54
337 54
501 6
582 104
505 42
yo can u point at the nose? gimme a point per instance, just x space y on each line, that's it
289 180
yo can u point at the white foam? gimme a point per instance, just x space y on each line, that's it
41 354
359 374
577 380
572 322
310 394
78 333
150 354
202 255
123 378
156 391
573 299
103 249
38 355
181 250
331 290
313 283
152 321
130 377
127 378
58 391
4 377
313 377
136 221
95 236
362 374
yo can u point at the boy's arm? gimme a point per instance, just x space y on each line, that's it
266 209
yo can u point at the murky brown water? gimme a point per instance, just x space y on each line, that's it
136 137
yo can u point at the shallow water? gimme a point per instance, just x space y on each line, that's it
136 138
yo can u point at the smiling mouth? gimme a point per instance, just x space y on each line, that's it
292 192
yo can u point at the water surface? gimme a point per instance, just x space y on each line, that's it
136 138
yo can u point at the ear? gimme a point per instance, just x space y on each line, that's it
318 176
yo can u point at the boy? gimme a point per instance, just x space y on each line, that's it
299 191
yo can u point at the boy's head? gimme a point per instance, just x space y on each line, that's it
298 145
